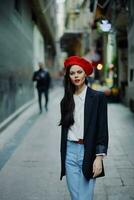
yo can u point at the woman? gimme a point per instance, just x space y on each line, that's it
84 130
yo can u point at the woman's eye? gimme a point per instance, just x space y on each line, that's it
71 73
79 72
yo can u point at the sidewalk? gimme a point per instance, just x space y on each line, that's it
118 184
29 150
32 168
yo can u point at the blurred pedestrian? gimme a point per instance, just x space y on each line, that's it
43 79
84 130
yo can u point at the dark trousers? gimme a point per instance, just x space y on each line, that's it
45 93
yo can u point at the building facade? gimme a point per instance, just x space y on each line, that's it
26 37
120 14
76 39
130 72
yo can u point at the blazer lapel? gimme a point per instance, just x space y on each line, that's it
88 109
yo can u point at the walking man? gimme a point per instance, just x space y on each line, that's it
43 79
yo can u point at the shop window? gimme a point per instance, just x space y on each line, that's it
131 74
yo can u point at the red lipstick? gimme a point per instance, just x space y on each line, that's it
77 80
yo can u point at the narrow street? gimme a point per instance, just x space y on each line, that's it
30 156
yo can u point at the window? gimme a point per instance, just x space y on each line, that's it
131 74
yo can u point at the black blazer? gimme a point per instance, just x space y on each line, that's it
95 132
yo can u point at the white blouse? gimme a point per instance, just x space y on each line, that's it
76 131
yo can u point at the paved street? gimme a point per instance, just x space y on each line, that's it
30 159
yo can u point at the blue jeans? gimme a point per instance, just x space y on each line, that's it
79 187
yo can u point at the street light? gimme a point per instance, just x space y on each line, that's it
99 66
105 26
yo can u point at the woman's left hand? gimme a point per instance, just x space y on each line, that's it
97 166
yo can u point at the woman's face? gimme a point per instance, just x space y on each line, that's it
77 75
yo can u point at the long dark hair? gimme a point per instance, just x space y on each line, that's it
67 104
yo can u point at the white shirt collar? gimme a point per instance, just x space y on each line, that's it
82 94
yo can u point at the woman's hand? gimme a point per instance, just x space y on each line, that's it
97 166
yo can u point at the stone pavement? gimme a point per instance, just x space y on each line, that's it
30 158
118 184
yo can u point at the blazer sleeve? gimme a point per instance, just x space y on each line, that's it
102 126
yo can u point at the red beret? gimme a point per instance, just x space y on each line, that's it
76 60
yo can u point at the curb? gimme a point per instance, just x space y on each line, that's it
21 110
16 114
